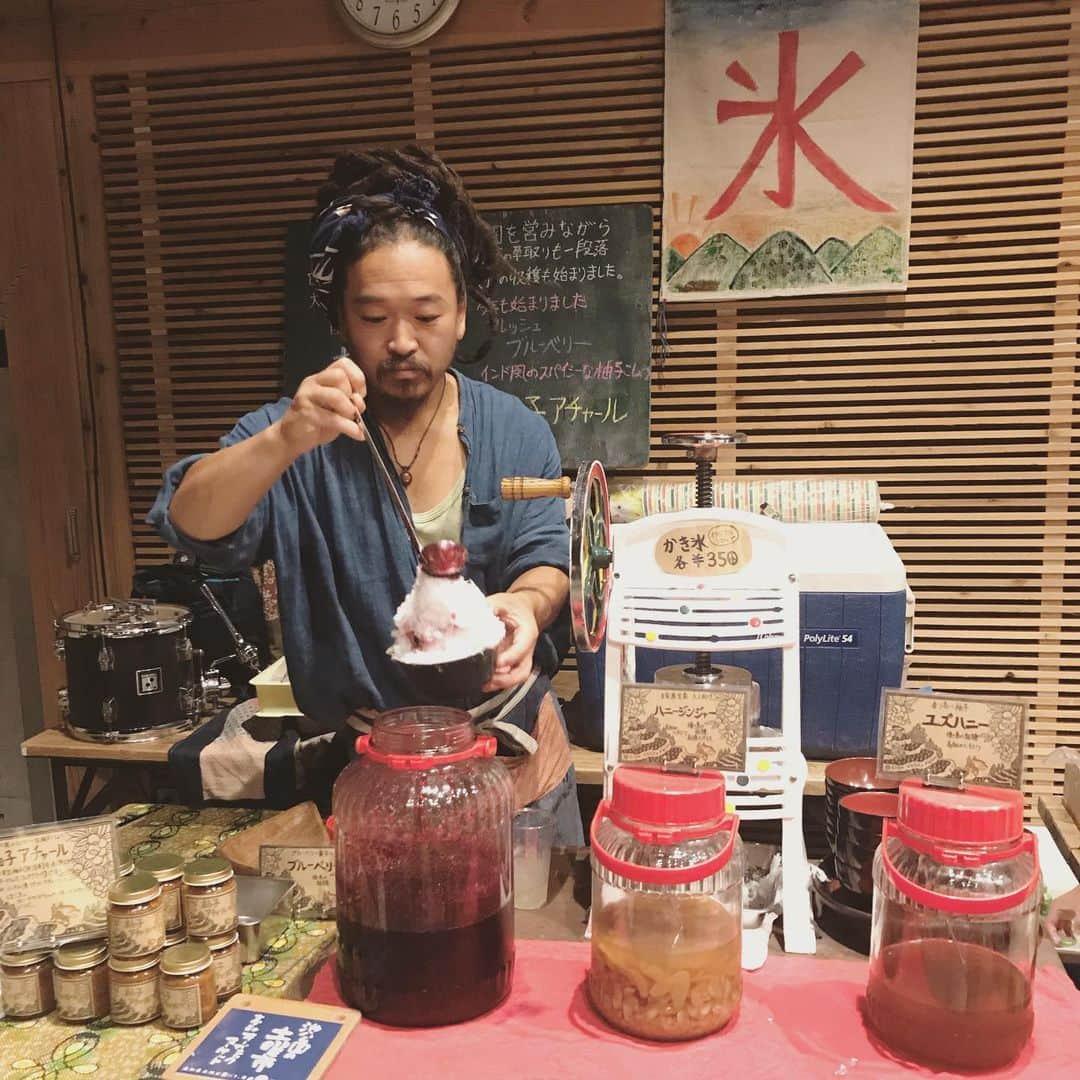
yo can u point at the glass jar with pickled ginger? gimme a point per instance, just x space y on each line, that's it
666 905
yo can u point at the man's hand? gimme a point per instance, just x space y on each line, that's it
324 407
514 659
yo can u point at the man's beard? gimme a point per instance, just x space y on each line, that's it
401 400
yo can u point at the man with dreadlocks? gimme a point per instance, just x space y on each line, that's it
397 251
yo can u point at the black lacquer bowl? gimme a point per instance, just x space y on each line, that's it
458 684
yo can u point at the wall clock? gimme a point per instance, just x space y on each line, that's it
396 24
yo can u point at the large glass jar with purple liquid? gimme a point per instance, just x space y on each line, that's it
424 861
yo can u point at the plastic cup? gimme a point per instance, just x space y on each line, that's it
534 831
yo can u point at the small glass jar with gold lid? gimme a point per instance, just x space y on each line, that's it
167 870
81 980
26 983
136 916
209 897
133 989
228 963
188 990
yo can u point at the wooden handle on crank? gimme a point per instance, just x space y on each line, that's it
531 487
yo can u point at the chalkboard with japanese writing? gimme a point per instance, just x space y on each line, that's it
310 344
575 332
574 337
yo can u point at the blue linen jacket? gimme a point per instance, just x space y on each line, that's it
343 559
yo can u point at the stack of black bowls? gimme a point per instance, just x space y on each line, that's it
859 821
857 801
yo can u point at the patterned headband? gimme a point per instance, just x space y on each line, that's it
415 195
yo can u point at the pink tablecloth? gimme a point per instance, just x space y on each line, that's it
799 1019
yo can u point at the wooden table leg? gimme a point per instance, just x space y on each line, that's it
124 784
78 806
60 790
110 795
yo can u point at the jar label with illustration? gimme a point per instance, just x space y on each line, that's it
75 995
228 970
137 934
209 915
135 1002
181 1006
22 995
170 897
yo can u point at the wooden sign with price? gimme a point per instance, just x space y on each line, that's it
703 549
976 740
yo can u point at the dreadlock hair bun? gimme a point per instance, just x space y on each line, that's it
369 176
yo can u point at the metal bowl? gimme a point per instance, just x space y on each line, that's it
263 909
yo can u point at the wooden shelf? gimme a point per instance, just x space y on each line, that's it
58 745
1063 829
588 764
815 778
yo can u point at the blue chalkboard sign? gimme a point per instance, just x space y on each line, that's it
256 1038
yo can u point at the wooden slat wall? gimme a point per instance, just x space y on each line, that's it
959 395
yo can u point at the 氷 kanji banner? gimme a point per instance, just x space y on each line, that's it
788 133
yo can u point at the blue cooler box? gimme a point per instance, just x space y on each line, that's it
854 619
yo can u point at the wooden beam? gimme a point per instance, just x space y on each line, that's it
26 41
45 346
114 35
110 478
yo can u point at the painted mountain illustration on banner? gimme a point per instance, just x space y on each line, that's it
711 266
784 261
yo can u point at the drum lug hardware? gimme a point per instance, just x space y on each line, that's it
108 707
59 649
188 703
105 658
183 648
63 701
214 685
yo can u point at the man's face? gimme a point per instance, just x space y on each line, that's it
401 319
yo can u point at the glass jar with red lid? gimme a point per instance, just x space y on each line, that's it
666 905
955 927
425 909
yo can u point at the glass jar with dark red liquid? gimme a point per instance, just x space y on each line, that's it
424 862
955 928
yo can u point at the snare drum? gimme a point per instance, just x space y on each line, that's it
131 671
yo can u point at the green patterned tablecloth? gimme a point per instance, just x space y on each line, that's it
50 1048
